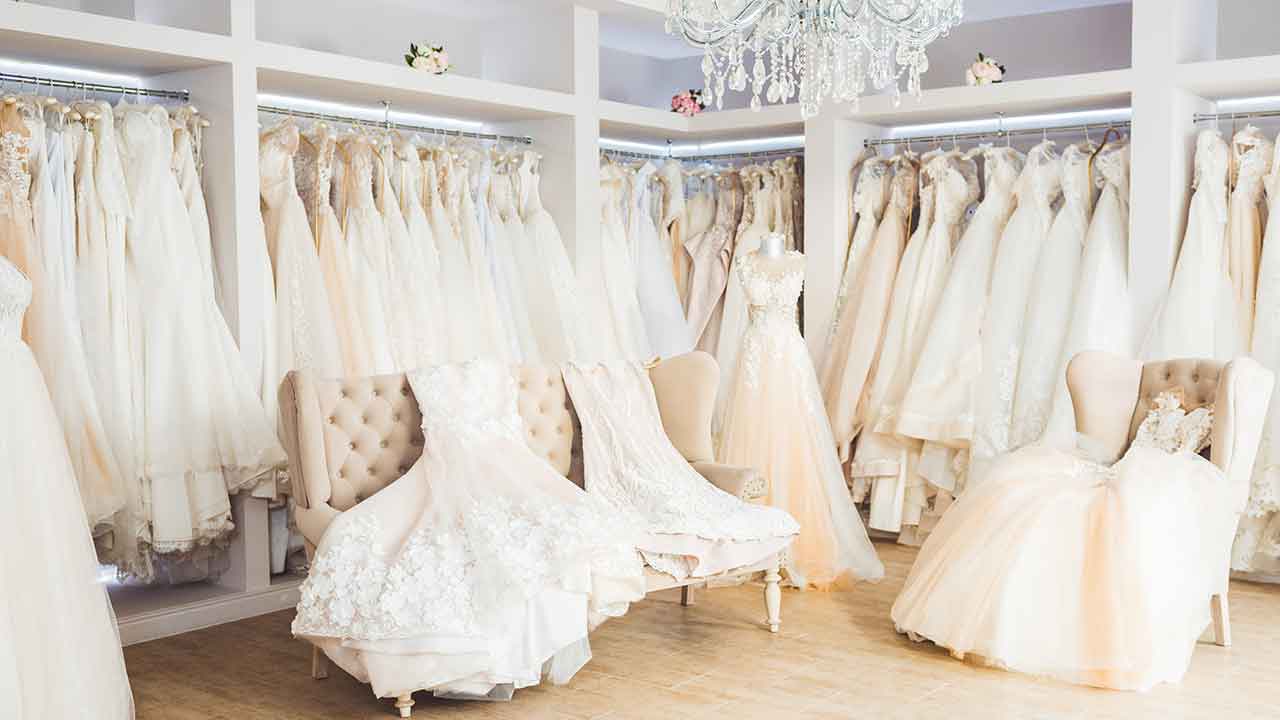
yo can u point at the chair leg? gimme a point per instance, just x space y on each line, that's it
773 597
404 703
1221 619
319 664
686 596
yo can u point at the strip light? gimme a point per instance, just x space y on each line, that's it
66 72
693 150
1020 122
1263 102
372 114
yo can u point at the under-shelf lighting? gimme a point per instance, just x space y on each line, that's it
372 114
693 150
1248 104
66 72
1019 122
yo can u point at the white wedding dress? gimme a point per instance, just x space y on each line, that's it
59 652
1004 328
509 245
1042 369
365 239
694 529
664 316
1251 155
411 316
407 179
608 278
480 567
463 330
1198 317
774 422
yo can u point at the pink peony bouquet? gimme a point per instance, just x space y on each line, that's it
984 71
428 58
688 103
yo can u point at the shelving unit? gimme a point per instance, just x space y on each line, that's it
226 72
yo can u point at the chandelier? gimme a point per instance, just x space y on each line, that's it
815 48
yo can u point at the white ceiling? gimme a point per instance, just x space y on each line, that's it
643 33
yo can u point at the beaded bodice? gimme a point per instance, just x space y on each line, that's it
1077 191
871 193
772 287
276 149
1252 152
1041 179
15 296
15 172
358 180
471 400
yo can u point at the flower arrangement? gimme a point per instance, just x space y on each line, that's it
688 103
429 58
984 71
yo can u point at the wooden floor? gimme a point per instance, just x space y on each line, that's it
836 657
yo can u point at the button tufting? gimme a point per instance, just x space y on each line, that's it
404 391
395 417
375 393
342 393
385 444
331 420
351 446
342 474
403 469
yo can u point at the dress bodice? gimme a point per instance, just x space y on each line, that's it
15 296
1041 178
1251 151
640 187
927 193
314 166
358 171
468 401
276 149
108 167
1001 168
1077 190
1112 166
872 192
955 186
1212 155
1169 427
772 286
15 172
904 186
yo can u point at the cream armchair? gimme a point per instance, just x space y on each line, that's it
349 438
1112 396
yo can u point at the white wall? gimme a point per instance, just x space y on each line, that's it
1248 27
203 15
642 80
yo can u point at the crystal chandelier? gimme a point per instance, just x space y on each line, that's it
815 48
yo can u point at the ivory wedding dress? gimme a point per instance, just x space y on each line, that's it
365 240
671 226
938 405
1004 328
306 335
858 325
494 339
1088 572
59 652
444 583
608 277
1199 317
774 422
508 239
411 315
1251 162
407 180
463 328
660 304
711 253
1042 369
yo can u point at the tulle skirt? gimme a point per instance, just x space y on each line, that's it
59 653
1058 566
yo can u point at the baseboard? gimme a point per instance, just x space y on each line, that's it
178 619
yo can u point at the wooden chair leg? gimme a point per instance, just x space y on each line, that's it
404 703
773 597
319 664
686 595
1221 619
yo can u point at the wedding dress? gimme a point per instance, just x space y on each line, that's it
463 327
1004 328
694 529
306 338
857 327
938 405
410 314
59 652
201 428
671 226
789 211
883 455
608 277
494 339
365 240
508 235
1198 317
1041 368
184 166
665 326
1088 572
1251 162
479 567
407 180
774 422
711 253
314 164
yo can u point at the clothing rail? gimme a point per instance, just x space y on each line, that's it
956 137
390 125
631 154
746 156
1249 115
36 82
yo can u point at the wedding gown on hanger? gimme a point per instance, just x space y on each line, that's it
365 239
443 583
59 652
711 253
407 180
508 237
857 327
1199 317
304 318
494 338
410 314
660 304
1251 152
184 166
938 405
1089 572
671 227
694 528
609 279
1042 369
314 165
463 327
774 422
1004 328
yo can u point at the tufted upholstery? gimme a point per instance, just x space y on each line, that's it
1197 378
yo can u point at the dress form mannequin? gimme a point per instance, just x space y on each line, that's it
773 245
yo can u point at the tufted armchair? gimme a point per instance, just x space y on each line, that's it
349 438
1112 396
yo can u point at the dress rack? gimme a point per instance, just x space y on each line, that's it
1250 115
182 95
746 156
997 134
391 125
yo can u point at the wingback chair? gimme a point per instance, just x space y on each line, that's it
1112 396
348 438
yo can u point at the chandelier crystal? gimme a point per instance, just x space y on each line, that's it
813 49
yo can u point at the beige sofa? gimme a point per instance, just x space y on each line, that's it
349 438
1112 396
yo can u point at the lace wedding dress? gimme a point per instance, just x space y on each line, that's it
365 241
59 652
407 179
495 338
1004 328
412 317
462 327
1199 317
608 277
1064 566
1251 162
668 332
694 528
711 253
444 583
774 422
508 242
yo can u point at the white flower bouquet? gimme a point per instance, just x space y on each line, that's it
428 58
984 71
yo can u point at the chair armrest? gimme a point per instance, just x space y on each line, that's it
741 482
312 522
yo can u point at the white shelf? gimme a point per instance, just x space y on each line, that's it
288 70
1239 77
621 121
151 613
